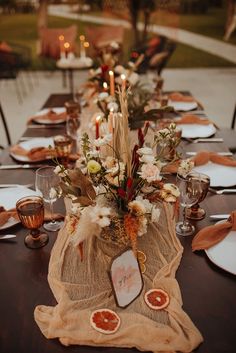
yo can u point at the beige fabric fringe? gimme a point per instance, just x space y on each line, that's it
81 287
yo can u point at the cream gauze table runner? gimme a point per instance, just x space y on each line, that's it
82 287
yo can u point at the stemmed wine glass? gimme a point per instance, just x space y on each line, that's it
190 191
47 184
73 121
30 210
196 212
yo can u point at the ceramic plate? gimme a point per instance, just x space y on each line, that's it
58 110
9 197
197 130
28 145
220 175
183 106
223 253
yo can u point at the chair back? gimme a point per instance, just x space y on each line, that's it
50 43
4 123
102 37
233 119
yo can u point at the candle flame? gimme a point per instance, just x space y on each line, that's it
123 77
67 45
111 73
61 37
105 85
82 37
98 118
86 44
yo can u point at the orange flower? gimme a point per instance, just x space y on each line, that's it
131 227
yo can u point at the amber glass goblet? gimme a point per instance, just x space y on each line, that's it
30 210
196 212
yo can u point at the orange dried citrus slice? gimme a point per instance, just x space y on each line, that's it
142 267
105 321
156 299
141 256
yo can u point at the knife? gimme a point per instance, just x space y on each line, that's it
219 216
219 153
212 139
20 166
7 236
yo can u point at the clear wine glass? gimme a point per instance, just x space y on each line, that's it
47 184
190 190
30 210
73 121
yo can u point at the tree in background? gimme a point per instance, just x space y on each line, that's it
42 18
230 19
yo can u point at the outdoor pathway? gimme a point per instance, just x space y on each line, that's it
213 46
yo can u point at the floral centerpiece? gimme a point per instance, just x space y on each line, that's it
115 188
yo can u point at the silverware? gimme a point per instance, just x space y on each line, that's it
219 153
15 185
222 191
20 166
7 236
219 216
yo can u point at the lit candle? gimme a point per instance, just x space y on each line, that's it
105 86
97 126
82 49
62 49
112 83
86 45
123 82
67 48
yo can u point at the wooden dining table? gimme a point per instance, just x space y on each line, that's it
208 292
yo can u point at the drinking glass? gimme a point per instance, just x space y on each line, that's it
73 121
47 184
63 147
30 210
196 212
190 191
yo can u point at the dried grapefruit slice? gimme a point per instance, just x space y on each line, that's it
156 299
141 256
105 321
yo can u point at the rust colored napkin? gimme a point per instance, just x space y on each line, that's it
37 153
211 235
50 115
179 97
204 157
193 119
5 215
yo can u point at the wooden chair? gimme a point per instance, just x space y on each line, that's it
4 123
229 135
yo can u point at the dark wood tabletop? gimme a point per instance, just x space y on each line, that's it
209 293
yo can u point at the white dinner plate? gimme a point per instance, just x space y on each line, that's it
183 106
57 110
8 199
197 130
223 253
220 175
32 143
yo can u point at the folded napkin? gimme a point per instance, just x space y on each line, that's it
211 235
5 215
192 119
36 153
179 97
204 157
50 115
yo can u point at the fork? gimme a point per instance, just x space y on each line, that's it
223 191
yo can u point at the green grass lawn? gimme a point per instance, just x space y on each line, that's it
21 28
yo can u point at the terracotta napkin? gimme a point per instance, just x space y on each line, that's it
50 115
179 97
36 153
204 157
211 235
201 158
5 215
192 119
